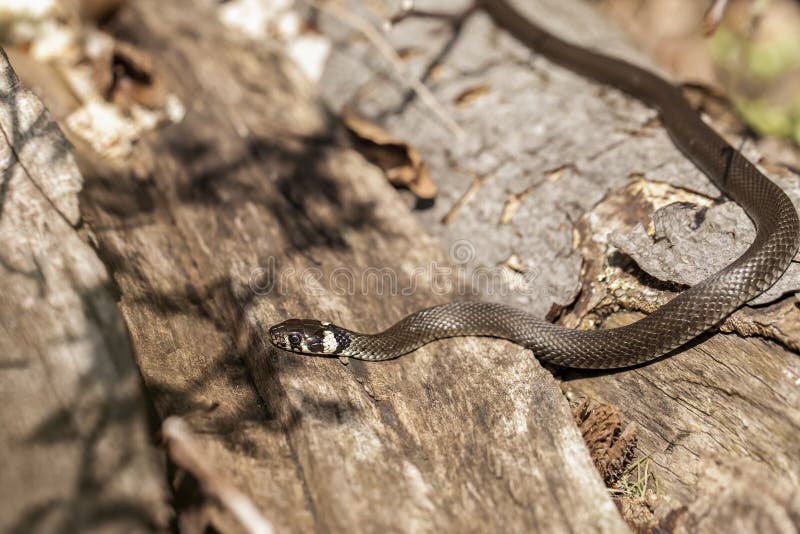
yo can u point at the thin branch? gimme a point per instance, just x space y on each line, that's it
379 42
713 16
408 11
184 452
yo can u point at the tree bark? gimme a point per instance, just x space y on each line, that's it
551 172
254 208
255 185
76 450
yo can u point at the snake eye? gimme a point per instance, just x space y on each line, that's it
294 339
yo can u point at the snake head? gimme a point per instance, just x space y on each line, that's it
309 336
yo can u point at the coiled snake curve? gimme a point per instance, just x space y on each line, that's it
690 313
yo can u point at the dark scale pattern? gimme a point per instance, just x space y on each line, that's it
687 315
342 339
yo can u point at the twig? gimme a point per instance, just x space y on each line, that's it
407 11
379 41
184 453
714 15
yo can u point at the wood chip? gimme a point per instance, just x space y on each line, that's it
469 96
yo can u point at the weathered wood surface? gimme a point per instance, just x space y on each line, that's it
253 186
549 166
253 209
77 454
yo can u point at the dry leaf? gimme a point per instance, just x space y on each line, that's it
715 103
125 75
400 161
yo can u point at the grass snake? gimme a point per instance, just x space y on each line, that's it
687 315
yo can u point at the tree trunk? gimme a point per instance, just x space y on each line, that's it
551 172
255 208
76 452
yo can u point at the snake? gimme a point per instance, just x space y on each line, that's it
669 327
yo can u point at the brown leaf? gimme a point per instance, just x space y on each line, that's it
715 103
401 162
124 75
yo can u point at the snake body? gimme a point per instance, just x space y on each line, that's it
680 320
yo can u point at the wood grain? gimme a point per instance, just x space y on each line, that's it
77 454
551 164
248 208
255 208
